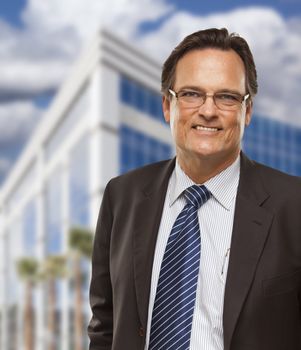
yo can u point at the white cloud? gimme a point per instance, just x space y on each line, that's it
86 17
275 44
17 120
38 57
31 62
123 16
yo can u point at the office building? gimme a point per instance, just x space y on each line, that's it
105 120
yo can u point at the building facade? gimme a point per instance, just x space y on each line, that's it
106 120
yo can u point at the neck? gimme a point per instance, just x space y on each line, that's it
200 170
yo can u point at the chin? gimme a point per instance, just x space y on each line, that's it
206 151
205 154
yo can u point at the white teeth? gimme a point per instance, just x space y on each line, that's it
198 127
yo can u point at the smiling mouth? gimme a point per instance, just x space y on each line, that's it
205 128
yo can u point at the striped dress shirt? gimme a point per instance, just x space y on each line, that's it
216 223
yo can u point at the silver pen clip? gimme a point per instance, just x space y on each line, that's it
225 259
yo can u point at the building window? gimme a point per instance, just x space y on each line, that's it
274 143
29 228
54 231
141 98
76 112
79 183
138 149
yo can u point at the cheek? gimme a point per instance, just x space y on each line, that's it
236 128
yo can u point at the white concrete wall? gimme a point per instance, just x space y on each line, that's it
99 70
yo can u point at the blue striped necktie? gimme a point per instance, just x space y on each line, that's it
175 297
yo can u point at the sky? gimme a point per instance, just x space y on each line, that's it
40 40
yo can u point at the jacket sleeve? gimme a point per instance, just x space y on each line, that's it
100 328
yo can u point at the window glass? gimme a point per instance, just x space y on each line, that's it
79 183
29 228
53 247
274 143
54 213
75 113
79 200
138 149
142 98
126 91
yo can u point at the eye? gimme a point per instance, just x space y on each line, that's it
227 97
192 94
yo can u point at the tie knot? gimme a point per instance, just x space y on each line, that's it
197 195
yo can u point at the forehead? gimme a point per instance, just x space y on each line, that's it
211 69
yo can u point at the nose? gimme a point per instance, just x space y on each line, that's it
208 109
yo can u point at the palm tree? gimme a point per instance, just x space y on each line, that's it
54 267
27 269
80 243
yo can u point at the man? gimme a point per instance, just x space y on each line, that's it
203 251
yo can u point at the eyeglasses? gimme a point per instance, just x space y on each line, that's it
223 100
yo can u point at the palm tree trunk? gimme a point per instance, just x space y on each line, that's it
28 318
51 314
78 305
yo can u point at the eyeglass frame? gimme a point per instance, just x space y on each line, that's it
205 95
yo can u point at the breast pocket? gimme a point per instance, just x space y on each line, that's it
282 284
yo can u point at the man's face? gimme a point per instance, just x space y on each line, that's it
206 132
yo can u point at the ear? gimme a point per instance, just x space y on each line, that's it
166 108
249 110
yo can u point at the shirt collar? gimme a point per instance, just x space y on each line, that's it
223 186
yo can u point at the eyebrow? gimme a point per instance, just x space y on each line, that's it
196 88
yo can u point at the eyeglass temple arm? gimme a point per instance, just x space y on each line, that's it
173 93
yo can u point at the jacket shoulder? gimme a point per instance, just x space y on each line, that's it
278 181
277 175
139 178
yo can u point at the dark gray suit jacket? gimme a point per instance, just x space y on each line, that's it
262 305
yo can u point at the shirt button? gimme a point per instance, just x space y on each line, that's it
141 331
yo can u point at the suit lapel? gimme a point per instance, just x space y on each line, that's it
148 213
250 230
